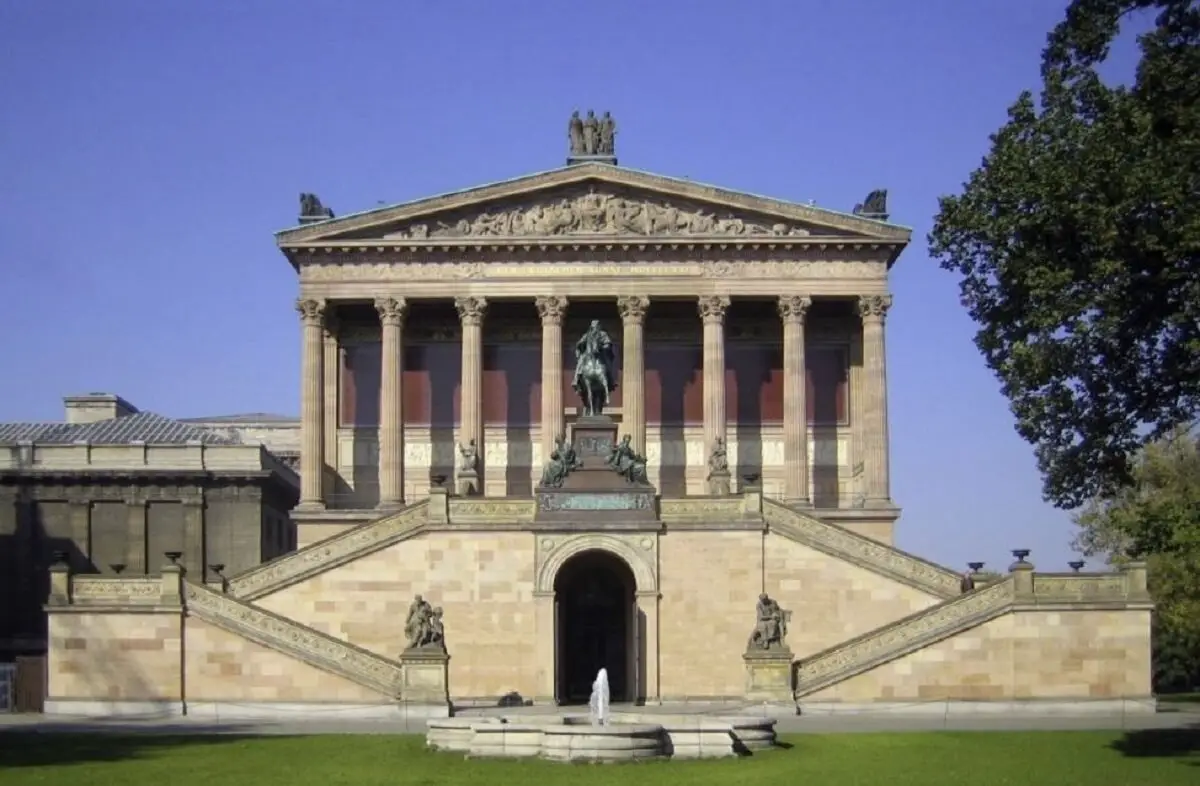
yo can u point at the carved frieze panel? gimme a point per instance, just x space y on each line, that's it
597 211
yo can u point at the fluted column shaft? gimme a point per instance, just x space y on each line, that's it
312 405
471 311
332 352
391 402
793 309
877 483
633 369
552 309
712 312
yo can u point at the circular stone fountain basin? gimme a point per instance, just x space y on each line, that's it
627 737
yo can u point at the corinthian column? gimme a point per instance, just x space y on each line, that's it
712 311
552 309
391 402
470 434
633 369
877 484
312 407
793 309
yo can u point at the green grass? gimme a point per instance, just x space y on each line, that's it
1158 758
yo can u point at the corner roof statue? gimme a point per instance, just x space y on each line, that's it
595 369
311 208
874 206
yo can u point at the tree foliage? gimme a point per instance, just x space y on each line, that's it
1078 245
1157 517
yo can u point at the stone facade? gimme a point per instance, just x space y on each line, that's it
113 491
745 323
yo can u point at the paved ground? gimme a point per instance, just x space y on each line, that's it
1170 718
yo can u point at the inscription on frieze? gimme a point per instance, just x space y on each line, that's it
596 501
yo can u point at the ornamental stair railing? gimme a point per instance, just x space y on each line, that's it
290 638
909 634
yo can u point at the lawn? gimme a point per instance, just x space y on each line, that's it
1158 758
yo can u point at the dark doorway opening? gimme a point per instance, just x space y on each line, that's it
596 627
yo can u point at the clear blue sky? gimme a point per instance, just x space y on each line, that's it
149 149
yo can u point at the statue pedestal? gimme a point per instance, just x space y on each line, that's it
594 437
424 683
769 676
594 489
719 484
466 483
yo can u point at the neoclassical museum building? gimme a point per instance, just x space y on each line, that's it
439 343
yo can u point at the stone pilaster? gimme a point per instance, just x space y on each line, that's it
793 309
312 405
194 559
633 369
391 402
877 484
552 309
135 537
81 530
712 312
331 376
471 311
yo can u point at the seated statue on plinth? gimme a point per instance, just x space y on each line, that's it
627 463
563 460
770 627
424 627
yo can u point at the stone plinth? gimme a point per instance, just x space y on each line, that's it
594 490
425 681
768 675
719 483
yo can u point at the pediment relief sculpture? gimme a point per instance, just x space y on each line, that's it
599 213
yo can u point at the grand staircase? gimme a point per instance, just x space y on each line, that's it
293 639
856 549
897 639
327 554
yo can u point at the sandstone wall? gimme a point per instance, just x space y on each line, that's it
1078 654
710 582
114 656
483 582
224 667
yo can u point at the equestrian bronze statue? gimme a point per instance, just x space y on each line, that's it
595 369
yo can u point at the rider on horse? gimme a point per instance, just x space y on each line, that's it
595 361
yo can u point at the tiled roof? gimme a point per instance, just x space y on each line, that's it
248 417
141 427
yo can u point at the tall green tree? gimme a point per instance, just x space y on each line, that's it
1157 517
1078 245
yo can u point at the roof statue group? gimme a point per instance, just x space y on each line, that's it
591 135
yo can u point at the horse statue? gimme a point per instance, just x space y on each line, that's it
595 369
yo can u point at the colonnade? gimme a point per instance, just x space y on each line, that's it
712 310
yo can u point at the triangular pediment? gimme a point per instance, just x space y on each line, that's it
593 201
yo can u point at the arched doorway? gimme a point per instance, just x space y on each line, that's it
596 626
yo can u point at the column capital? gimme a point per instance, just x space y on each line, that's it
873 308
471 309
794 307
633 307
391 310
713 307
551 308
311 310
